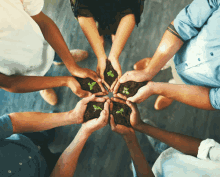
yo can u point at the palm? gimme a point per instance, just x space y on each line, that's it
123 130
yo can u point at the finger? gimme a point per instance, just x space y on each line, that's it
132 106
105 83
112 122
82 93
106 106
103 118
100 94
99 99
121 96
118 100
125 77
101 86
95 77
113 84
88 99
117 85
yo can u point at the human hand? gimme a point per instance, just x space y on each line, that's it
88 73
121 129
137 76
143 93
101 65
97 123
76 115
117 67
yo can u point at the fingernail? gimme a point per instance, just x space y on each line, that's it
99 80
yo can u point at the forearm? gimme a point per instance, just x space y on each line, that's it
23 84
196 96
141 165
55 39
186 144
36 121
123 32
168 47
66 165
90 30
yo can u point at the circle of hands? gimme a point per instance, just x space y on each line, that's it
105 116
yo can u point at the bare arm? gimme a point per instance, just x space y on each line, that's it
66 165
90 30
141 165
37 121
186 144
168 46
22 84
55 39
196 96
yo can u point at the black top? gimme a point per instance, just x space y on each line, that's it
106 11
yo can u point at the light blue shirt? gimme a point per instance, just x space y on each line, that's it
198 60
19 156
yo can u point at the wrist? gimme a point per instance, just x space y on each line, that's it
86 131
129 138
102 58
112 58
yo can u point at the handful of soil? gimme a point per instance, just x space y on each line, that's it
93 110
89 85
130 88
121 113
109 74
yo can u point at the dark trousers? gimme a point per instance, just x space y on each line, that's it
43 139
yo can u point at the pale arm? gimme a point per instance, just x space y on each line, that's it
196 96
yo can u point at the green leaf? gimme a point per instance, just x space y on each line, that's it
91 85
125 91
96 107
110 73
121 111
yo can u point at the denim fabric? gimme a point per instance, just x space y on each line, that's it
198 60
19 155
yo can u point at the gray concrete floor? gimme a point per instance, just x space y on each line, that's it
105 153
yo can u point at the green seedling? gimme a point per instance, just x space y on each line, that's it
110 73
91 85
125 91
97 108
121 111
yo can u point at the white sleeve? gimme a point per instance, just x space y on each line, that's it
33 7
209 150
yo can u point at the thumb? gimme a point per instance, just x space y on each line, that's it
112 122
82 93
95 77
88 99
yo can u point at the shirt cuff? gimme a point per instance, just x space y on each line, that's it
6 128
214 96
204 148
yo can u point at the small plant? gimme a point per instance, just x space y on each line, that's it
97 108
121 111
91 85
125 91
110 73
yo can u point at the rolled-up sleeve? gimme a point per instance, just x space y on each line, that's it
33 7
189 21
209 150
214 96
6 128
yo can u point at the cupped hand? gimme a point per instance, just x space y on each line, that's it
135 119
121 129
98 123
143 93
137 76
77 114
117 67
88 73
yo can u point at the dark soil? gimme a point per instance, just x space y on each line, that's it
132 87
122 118
84 85
90 112
109 79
